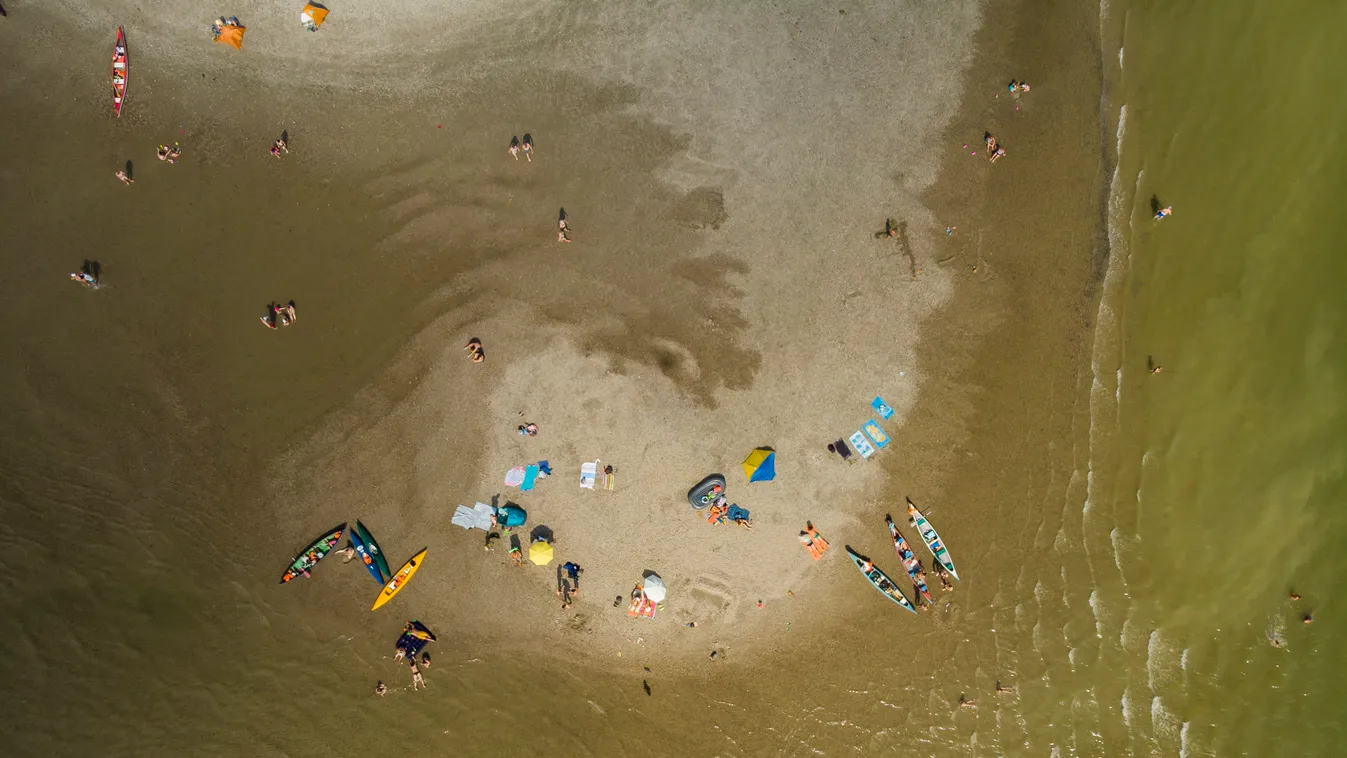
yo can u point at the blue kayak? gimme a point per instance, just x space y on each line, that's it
372 548
365 556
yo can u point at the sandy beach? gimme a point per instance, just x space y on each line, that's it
724 171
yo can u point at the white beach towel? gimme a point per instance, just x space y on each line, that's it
861 444
587 473
476 517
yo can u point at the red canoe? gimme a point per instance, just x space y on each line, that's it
120 69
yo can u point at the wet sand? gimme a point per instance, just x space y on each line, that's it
723 291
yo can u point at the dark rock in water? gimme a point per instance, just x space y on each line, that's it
646 685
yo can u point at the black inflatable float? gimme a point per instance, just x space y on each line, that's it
704 493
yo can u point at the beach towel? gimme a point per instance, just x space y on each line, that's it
476 517
609 480
861 444
587 473
843 450
642 606
530 476
514 477
876 433
882 408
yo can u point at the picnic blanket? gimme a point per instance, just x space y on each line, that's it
588 471
476 517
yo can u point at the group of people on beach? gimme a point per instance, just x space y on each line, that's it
279 315
525 147
995 151
568 583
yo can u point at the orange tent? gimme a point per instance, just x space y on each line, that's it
232 35
312 16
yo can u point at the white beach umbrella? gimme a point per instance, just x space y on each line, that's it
654 588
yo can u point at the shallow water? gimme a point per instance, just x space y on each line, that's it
1165 532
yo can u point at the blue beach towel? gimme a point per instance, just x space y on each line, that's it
530 476
882 408
862 445
876 433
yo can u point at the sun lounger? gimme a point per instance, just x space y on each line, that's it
862 444
587 473
876 433
882 408
530 476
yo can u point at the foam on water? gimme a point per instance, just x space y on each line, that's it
1094 610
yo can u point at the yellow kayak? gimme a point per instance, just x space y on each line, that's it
399 579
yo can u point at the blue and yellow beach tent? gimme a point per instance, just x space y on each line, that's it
760 465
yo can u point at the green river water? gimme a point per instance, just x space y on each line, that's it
1221 478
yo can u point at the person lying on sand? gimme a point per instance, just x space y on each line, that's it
528 147
124 177
514 147
990 140
418 681
998 154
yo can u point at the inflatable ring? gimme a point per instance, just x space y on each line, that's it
704 493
